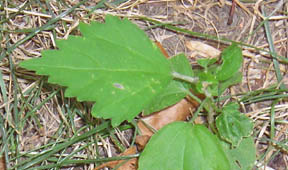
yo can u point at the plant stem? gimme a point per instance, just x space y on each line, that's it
198 111
188 79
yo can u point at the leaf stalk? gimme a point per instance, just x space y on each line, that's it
188 79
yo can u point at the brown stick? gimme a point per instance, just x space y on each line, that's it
231 14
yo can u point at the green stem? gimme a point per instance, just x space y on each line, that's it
188 79
198 110
210 108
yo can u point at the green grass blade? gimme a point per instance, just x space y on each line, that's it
211 37
45 26
32 161
273 52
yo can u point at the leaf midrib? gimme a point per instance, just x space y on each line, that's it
100 69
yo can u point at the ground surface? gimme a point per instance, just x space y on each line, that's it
34 114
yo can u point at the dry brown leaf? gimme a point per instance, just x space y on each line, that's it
202 48
131 164
179 111
2 163
142 140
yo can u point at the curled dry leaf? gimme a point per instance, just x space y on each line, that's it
179 111
204 49
131 164
209 51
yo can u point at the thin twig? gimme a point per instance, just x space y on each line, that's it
35 14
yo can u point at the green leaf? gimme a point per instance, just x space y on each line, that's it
213 86
180 64
217 89
214 80
205 62
232 61
114 64
232 125
223 85
176 90
182 146
207 82
244 156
